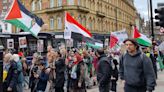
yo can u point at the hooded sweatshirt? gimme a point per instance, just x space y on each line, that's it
137 70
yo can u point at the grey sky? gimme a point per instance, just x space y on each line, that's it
142 6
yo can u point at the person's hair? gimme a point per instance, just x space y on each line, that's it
133 41
58 52
100 51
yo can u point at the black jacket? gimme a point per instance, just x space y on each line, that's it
42 83
60 69
12 77
104 70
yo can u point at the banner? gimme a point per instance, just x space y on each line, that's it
121 36
10 43
22 42
40 45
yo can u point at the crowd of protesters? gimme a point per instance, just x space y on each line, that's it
75 70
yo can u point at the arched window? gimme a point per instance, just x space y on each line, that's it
84 21
70 2
59 3
52 3
79 19
93 24
33 6
59 23
79 2
51 23
39 4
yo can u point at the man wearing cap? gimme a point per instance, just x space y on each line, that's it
136 69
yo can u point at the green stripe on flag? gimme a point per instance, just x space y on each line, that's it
143 42
19 24
92 45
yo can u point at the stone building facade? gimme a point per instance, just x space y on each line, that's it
98 16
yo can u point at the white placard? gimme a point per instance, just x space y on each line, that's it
40 45
121 35
22 42
10 43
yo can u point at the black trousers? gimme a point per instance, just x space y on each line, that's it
113 86
129 88
59 89
104 88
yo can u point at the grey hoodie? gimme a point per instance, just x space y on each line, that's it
137 70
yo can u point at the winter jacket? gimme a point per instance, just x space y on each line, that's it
104 70
42 81
60 69
12 77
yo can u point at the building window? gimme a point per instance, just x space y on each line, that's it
93 24
59 2
90 24
17 29
4 7
33 6
6 27
79 2
51 3
4 1
84 21
59 22
79 19
51 23
39 5
71 2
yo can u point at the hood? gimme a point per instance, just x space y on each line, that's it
138 53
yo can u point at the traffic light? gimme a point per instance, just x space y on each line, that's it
159 16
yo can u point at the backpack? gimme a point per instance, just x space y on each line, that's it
20 72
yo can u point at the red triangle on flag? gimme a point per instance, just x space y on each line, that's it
113 41
14 11
136 34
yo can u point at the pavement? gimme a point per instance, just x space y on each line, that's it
159 87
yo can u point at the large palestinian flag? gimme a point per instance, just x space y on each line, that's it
73 27
19 16
141 39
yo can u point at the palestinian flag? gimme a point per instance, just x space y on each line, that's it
141 39
19 16
72 26
90 42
